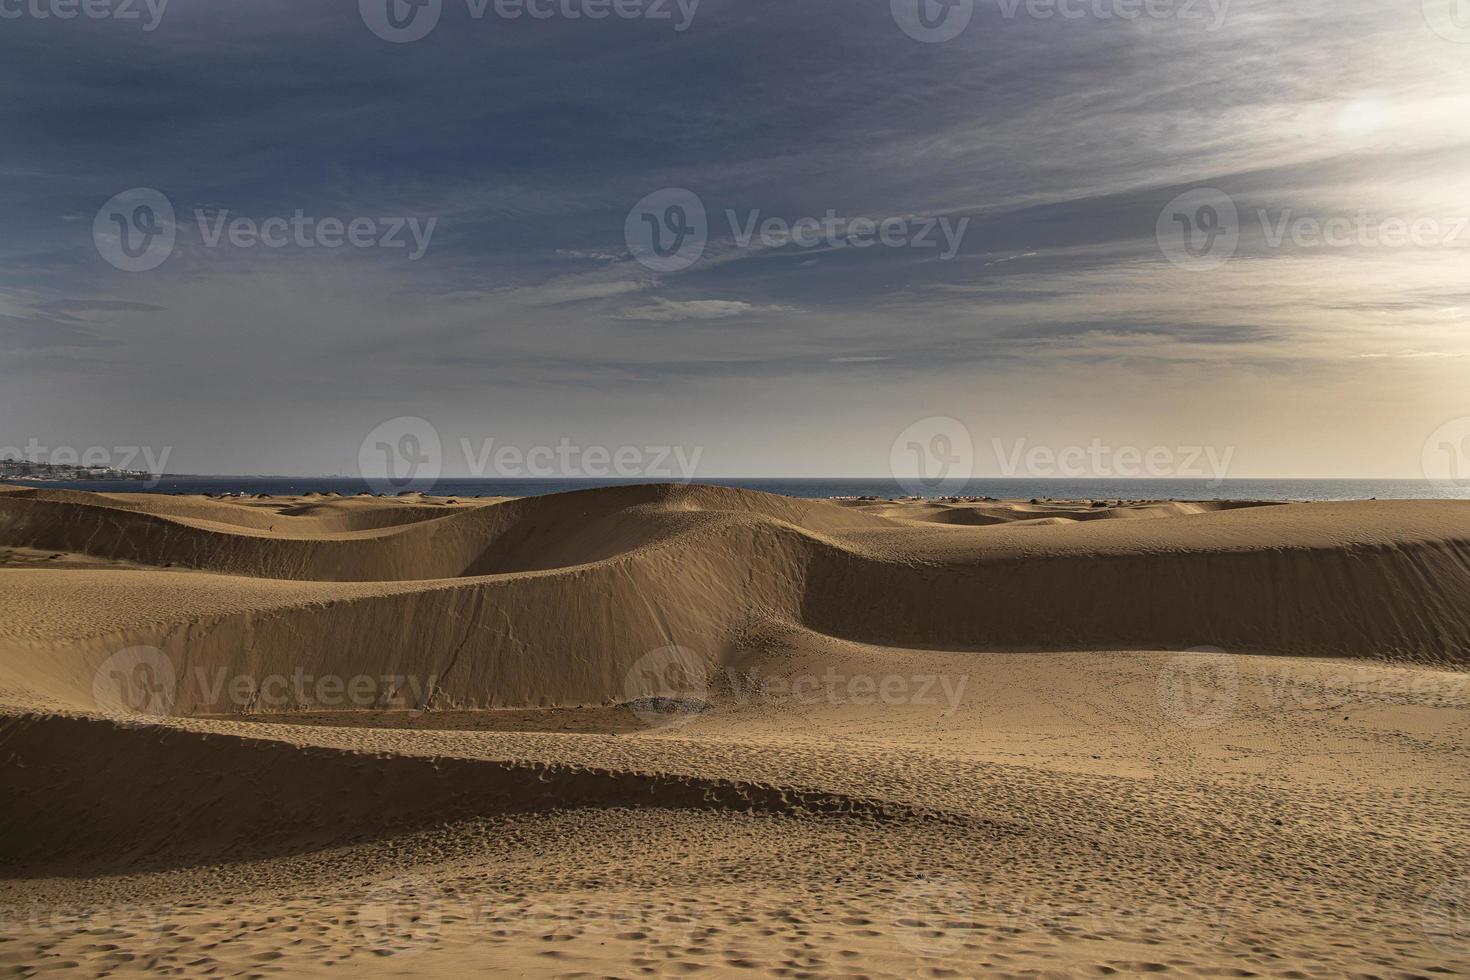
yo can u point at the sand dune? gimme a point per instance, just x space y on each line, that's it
981 732
593 581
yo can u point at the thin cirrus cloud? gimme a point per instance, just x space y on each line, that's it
672 311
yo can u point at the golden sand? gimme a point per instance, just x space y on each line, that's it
692 730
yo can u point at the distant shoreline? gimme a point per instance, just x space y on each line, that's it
823 488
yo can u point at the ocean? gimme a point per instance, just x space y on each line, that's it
1008 489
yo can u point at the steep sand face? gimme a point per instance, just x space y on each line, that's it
367 539
790 737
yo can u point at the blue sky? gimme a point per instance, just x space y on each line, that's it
1054 142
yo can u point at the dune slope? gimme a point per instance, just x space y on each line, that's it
556 600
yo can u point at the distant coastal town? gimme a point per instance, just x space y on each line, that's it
24 469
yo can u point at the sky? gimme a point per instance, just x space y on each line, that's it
787 237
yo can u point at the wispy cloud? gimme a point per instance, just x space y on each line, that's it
667 310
